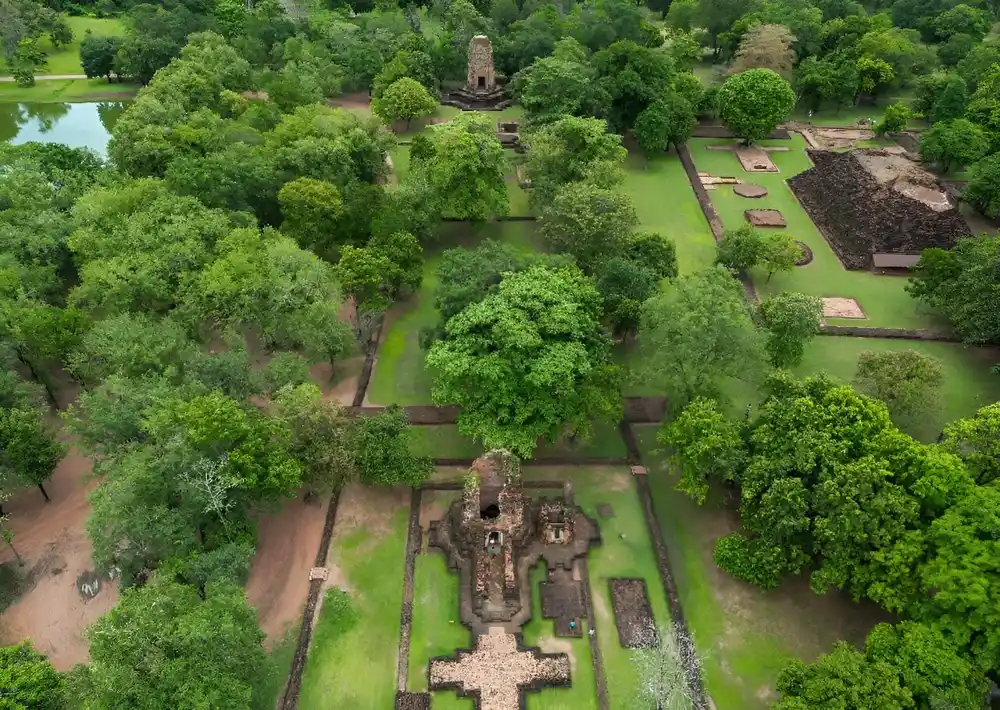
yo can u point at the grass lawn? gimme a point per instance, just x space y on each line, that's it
582 691
445 441
67 91
625 551
666 203
744 635
967 386
850 115
352 658
437 629
399 375
66 60
882 297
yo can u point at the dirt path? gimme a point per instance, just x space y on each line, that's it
52 541
279 573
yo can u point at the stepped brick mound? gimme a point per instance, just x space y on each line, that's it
764 218
750 190
633 614
873 201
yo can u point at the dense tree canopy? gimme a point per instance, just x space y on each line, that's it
528 361
753 102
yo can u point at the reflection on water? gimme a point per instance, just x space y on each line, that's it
85 125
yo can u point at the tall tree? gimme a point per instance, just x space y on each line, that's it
908 381
150 650
384 455
791 320
695 334
753 102
466 167
765 47
665 122
706 446
572 150
528 361
957 142
589 222
983 190
404 100
29 450
29 680
977 441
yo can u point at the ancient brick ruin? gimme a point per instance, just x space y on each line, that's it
481 91
493 536
873 201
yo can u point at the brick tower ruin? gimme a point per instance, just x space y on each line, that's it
481 91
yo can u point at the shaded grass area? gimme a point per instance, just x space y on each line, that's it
743 634
967 385
849 116
666 203
445 441
352 658
437 629
881 297
582 691
67 90
269 684
66 59
14 580
399 375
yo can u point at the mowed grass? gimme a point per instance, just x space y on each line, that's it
582 691
967 383
437 629
66 60
399 375
352 657
67 91
625 551
445 441
666 203
883 298
744 635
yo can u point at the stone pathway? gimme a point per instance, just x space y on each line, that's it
497 671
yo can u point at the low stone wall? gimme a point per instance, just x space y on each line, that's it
716 131
861 331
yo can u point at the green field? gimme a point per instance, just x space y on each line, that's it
352 657
743 634
665 203
881 297
270 684
67 91
967 386
66 60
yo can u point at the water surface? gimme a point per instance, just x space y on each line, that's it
78 125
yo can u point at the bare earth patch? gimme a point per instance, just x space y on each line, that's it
842 308
368 507
55 547
765 218
357 101
279 572
434 505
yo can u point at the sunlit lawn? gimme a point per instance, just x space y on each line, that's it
666 203
66 60
352 657
66 90
881 297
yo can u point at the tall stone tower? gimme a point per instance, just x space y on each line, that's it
480 76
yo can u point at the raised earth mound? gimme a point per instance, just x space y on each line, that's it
870 200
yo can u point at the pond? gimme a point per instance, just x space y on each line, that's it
82 125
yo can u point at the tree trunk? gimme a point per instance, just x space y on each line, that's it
42 489
34 373
408 123
20 562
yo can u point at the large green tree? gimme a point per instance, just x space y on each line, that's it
791 320
528 361
696 334
964 285
28 680
590 222
976 440
164 644
466 167
384 453
753 102
954 143
907 381
667 121
404 100
983 190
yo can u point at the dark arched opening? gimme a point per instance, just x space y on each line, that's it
490 512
